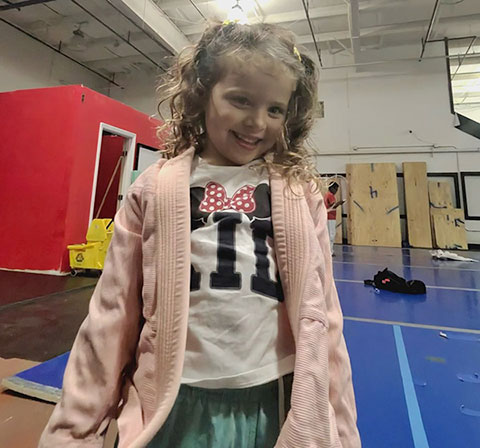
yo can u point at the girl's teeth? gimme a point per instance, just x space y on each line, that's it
248 140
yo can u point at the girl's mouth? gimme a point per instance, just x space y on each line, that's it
249 142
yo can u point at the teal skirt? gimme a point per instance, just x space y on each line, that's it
226 418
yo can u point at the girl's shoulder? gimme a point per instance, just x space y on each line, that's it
314 199
312 191
148 178
144 187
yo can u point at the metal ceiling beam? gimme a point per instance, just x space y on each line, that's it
284 17
354 29
127 41
145 32
181 3
431 25
379 30
125 60
460 62
305 7
59 51
178 4
23 4
295 16
198 9
389 61
148 15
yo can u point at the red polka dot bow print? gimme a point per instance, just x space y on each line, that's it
216 199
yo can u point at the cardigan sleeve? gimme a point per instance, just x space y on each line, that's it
341 394
323 412
106 341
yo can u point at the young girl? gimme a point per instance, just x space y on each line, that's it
216 323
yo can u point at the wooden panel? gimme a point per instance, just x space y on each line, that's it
449 229
440 198
440 195
374 216
416 204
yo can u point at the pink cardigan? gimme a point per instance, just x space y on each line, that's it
127 359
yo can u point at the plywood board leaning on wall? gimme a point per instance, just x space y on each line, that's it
374 216
448 223
440 201
417 204
449 229
440 195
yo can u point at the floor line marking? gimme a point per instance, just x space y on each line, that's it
414 414
409 324
442 268
350 248
428 286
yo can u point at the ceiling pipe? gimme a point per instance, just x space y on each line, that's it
354 28
389 61
127 41
460 62
453 38
119 11
198 10
431 25
23 4
305 7
58 50
402 151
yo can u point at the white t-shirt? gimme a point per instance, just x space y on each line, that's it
238 330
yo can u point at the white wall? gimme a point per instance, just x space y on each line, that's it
28 64
375 108
138 91
378 109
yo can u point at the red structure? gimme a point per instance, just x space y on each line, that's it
48 147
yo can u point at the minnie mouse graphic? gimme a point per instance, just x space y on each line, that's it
211 205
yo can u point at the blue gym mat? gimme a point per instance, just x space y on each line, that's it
43 381
450 278
415 387
449 408
439 307
395 258
444 385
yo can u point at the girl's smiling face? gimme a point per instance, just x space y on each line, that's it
246 112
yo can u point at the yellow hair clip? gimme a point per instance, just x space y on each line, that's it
297 53
230 22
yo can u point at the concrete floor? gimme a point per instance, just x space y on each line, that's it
40 314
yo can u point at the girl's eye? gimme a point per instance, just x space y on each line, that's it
276 111
241 100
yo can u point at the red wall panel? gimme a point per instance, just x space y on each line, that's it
48 146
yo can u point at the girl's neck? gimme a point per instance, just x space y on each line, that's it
204 161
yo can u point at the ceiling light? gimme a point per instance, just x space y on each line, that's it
237 9
237 14
246 5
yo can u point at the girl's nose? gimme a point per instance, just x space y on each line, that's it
256 120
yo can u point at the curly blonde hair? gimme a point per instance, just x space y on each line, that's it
197 69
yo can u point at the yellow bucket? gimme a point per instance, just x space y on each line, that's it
91 255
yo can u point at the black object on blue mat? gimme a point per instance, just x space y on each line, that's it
390 281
